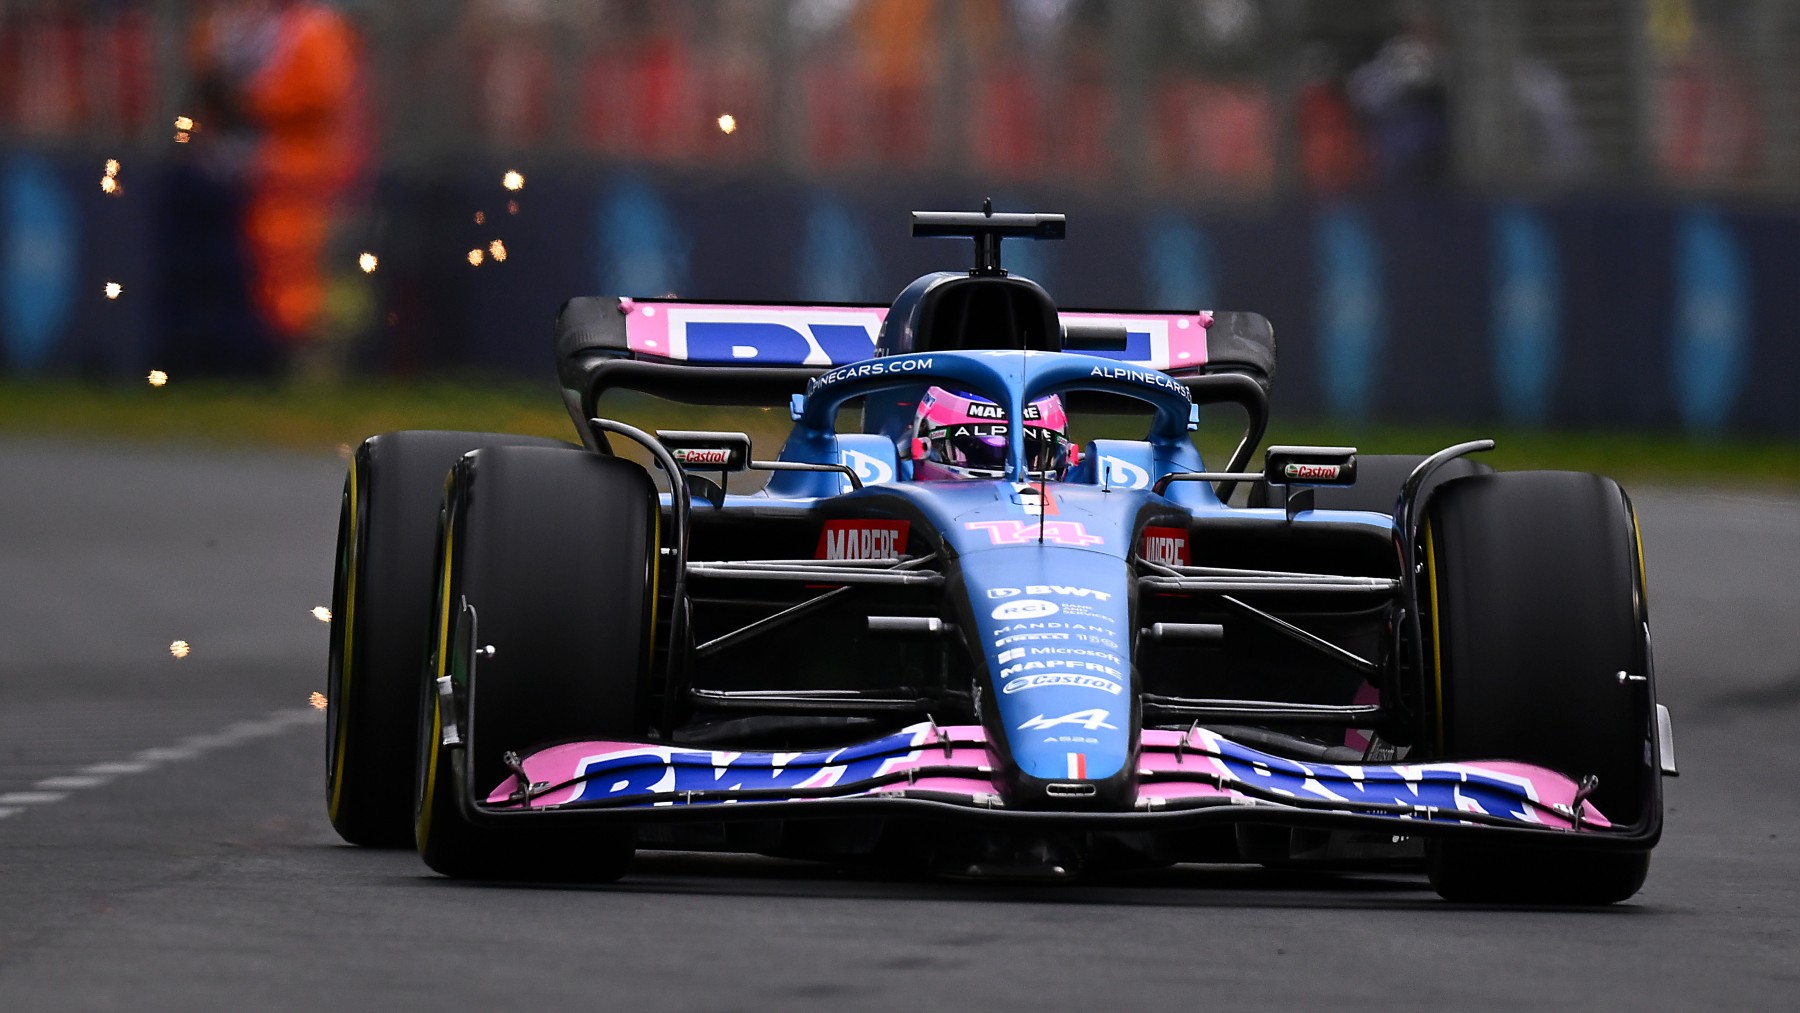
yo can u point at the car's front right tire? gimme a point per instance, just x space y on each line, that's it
1533 604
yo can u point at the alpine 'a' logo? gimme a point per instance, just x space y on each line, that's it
1093 720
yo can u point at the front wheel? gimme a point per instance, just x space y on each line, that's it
1533 605
380 624
554 553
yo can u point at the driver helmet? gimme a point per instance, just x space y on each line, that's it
958 435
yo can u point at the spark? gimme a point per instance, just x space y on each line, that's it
481 217
497 250
114 289
317 700
184 127
513 180
112 167
321 613
367 262
181 137
727 123
184 123
179 648
512 207
109 185
157 378
476 257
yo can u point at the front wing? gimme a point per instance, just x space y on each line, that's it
1195 776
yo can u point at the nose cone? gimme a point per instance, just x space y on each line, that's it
1054 623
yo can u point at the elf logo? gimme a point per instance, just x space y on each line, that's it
862 540
1168 546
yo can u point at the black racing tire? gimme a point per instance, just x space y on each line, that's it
1532 603
380 625
556 552
1469 872
1378 481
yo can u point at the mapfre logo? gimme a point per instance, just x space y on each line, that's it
1168 546
862 540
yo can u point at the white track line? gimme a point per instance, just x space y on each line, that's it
71 781
32 797
55 789
115 769
163 754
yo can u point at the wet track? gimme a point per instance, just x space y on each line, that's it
163 843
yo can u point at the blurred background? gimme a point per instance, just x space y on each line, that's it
1538 214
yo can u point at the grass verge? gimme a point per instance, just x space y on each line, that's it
325 417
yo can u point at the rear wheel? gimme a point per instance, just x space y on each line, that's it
555 552
380 624
1533 603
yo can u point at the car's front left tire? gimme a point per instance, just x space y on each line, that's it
554 553
381 622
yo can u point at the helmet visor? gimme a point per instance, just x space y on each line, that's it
982 447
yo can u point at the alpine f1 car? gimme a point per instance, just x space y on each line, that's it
948 636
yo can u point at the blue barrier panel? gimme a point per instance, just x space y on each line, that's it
1585 312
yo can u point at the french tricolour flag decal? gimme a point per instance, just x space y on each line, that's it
1077 766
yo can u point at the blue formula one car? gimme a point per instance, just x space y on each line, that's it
949 636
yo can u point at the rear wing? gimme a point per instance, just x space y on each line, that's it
761 353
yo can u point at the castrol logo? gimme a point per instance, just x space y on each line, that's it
1320 472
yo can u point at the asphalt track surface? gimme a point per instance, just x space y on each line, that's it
163 843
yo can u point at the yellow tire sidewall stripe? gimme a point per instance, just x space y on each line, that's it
345 657
437 702
1643 576
1437 641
